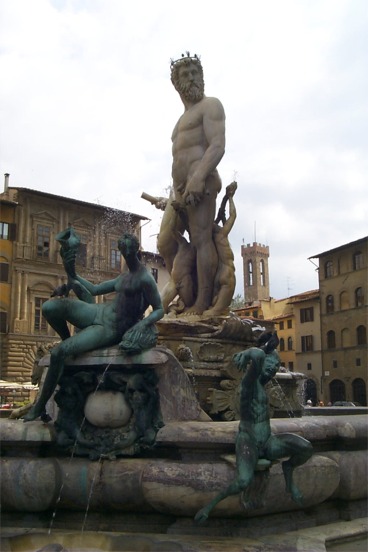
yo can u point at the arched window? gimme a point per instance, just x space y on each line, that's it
328 269
359 297
337 391
330 305
359 392
357 260
290 343
262 272
345 337
310 391
282 344
331 340
250 273
344 300
361 333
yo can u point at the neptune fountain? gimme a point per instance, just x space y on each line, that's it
118 451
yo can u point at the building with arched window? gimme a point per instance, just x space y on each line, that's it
31 267
255 272
343 280
297 321
7 237
306 341
323 332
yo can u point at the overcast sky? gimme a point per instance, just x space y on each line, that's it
87 111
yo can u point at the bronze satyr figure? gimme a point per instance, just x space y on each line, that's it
254 440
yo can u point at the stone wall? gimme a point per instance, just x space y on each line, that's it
192 462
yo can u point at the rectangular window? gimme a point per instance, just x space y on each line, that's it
329 269
289 324
3 322
4 272
115 255
291 366
40 323
255 314
307 315
154 272
250 273
334 364
7 231
81 258
4 230
309 366
307 343
43 241
358 362
358 261
281 325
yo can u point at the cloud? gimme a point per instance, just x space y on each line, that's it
88 110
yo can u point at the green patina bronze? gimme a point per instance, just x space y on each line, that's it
256 447
120 321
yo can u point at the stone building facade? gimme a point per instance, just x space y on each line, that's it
31 267
343 282
323 332
297 321
307 339
7 237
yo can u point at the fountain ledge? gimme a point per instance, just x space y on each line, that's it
193 459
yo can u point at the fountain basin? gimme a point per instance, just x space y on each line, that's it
190 463
314 538
191 460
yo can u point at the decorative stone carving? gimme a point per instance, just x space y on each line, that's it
211 352
107 409
112 404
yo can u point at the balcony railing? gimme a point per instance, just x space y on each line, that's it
27 252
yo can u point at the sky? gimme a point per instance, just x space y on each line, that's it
87 110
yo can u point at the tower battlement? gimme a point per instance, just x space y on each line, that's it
255 271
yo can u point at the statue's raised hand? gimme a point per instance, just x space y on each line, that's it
69 256
140 337
61 291
70 242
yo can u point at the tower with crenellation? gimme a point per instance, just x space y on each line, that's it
255 272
